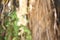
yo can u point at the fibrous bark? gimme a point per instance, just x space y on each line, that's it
41 20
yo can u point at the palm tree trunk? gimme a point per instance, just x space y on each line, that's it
41 20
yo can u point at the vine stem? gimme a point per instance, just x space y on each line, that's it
2 18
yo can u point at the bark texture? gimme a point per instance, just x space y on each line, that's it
57 5
41 20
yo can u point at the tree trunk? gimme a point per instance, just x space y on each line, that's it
41 20
57 5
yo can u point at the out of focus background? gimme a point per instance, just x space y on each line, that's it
13 20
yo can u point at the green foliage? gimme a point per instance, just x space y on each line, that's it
27 33
13 29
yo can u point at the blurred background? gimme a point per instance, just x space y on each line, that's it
13 20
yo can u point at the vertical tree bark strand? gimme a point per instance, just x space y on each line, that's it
41 20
